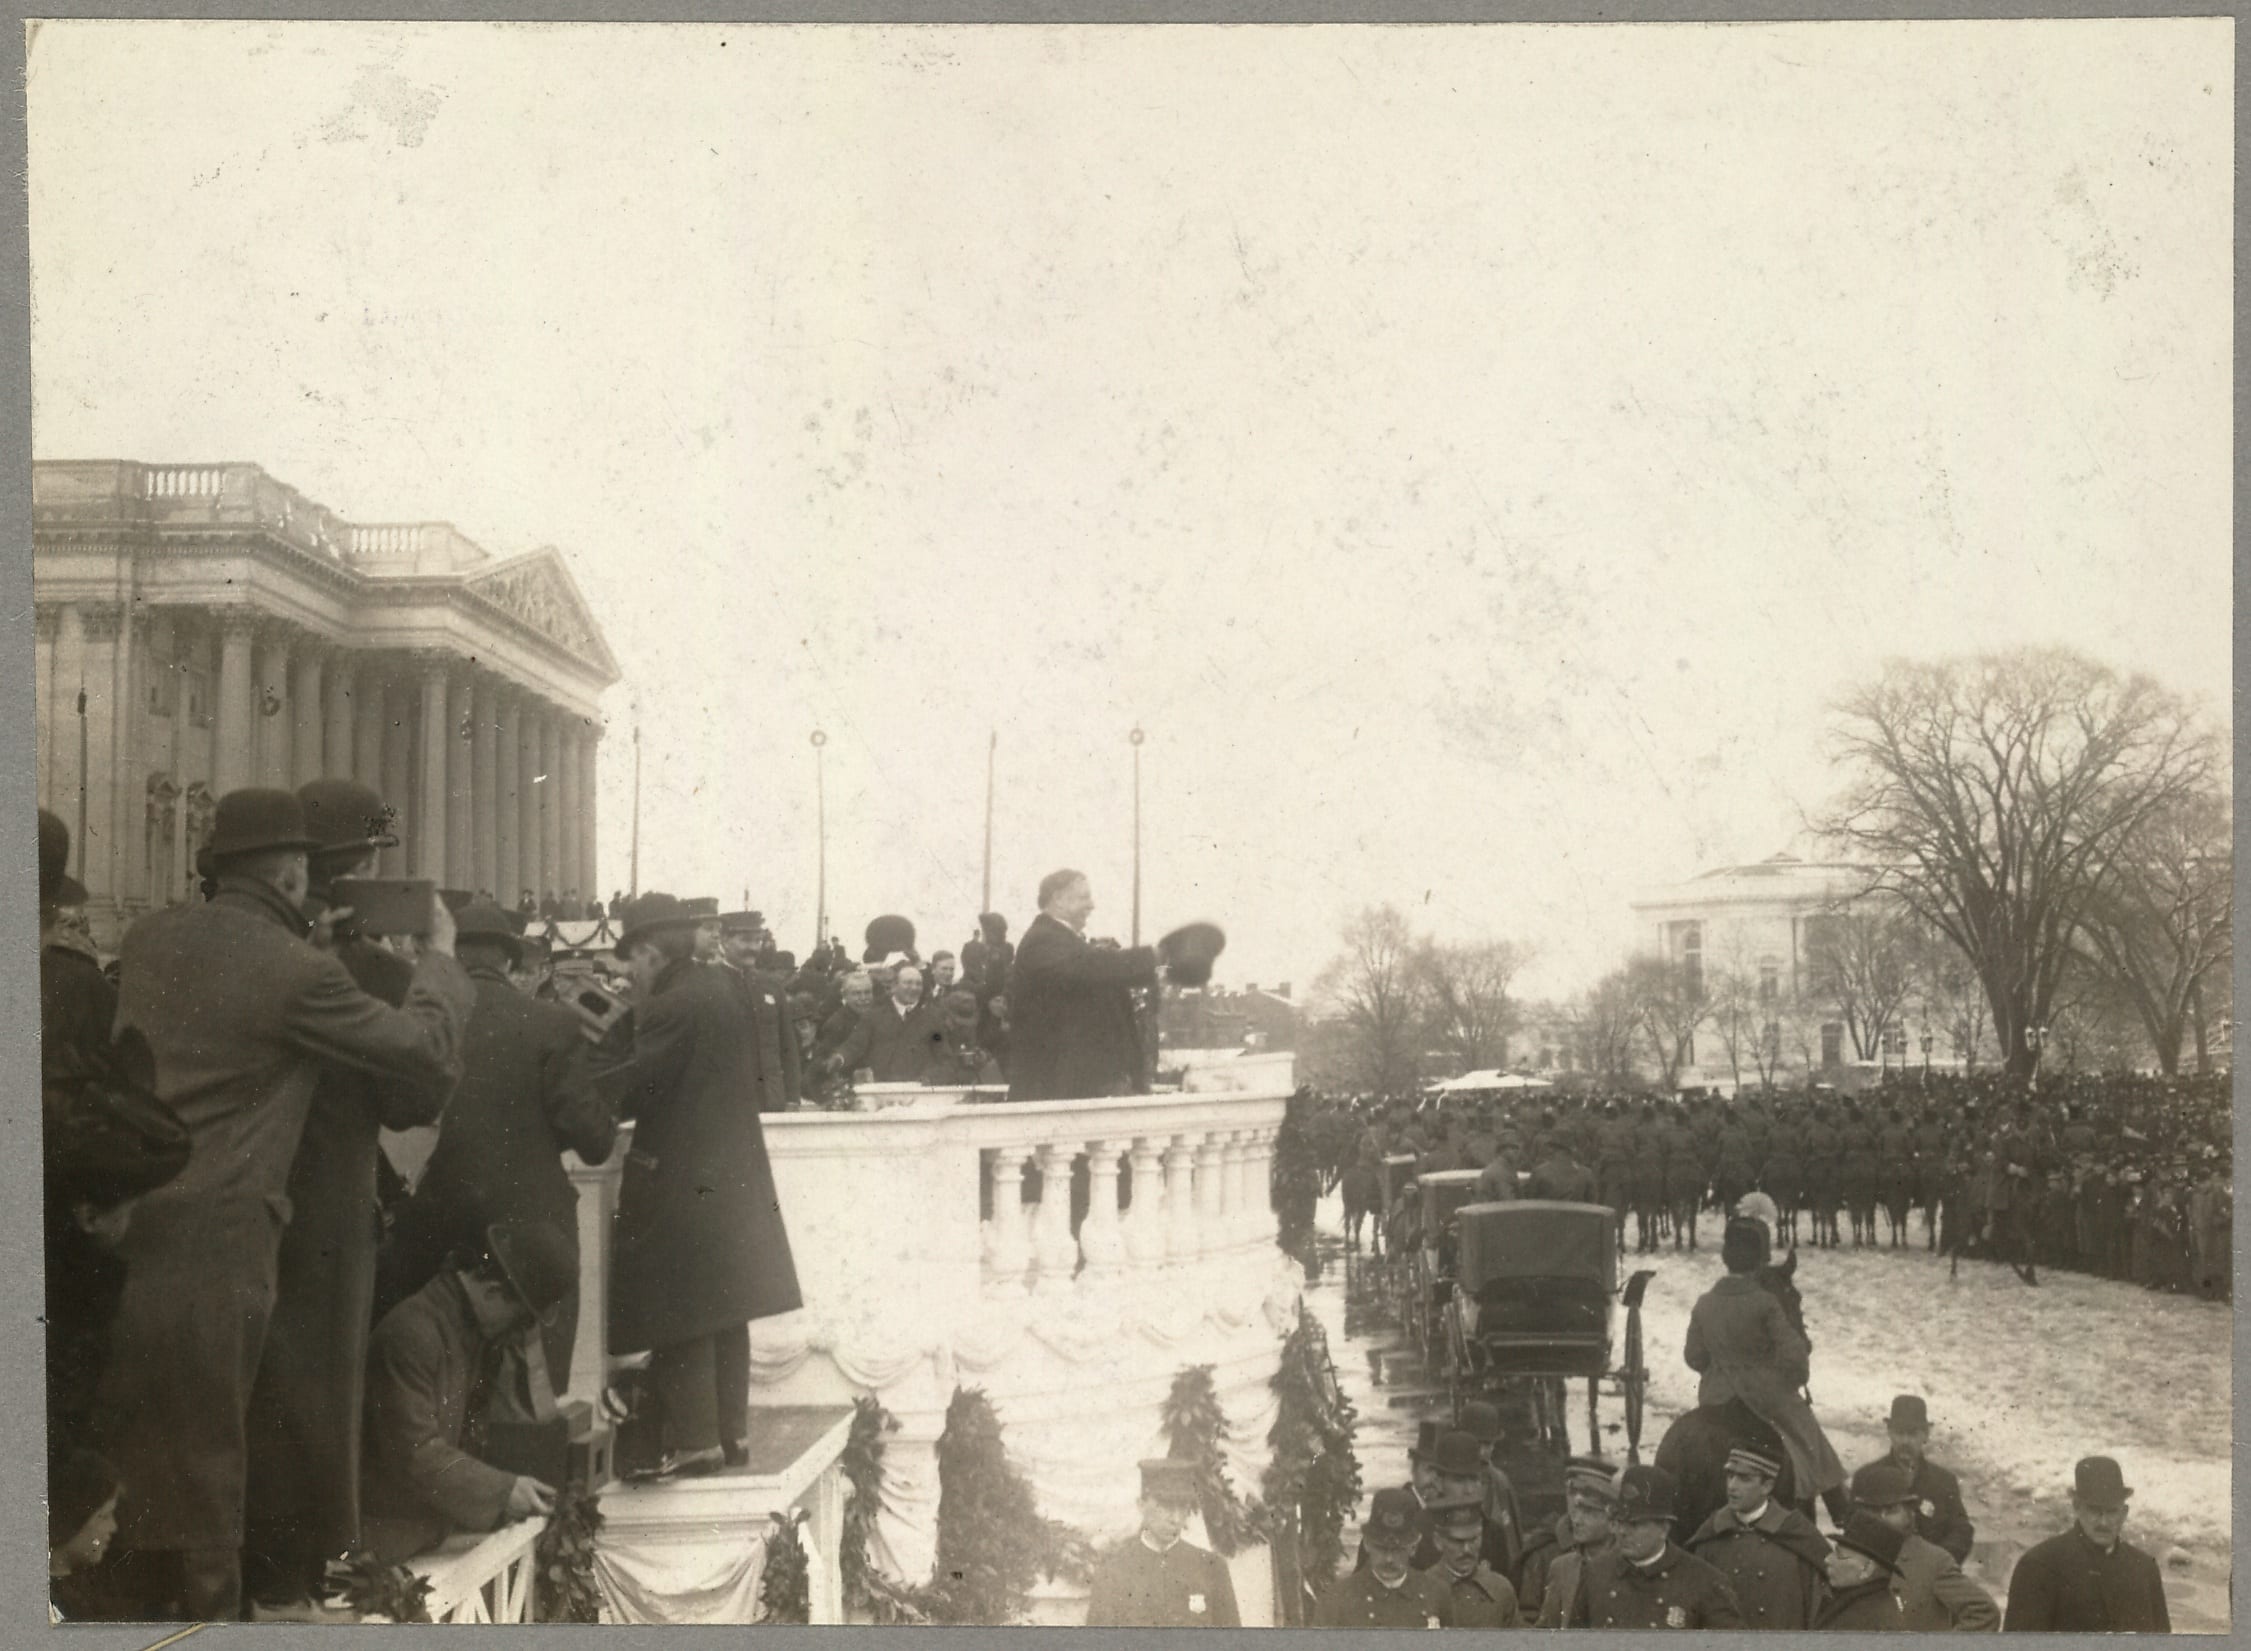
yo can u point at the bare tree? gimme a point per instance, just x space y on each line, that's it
1466 997
1862 964
1603 1024
1376 991
1668 1011
1739 1013
1993 794
2159 928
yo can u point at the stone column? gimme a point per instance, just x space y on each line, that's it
368 721
590 782
234 750
461 824
1232 1146
527 797
508 801
307 728
1145 1222
484 785
128 760
101 867
398 774
1101 1245
430 784
1008 1251
1180 1199
336 755
543 801
564 812
1056 1252
272 688
1258 1188
43 698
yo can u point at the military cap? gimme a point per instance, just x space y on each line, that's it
1591 1476
1644 1493
1169 1479
1395 1520
742 922
1744 1459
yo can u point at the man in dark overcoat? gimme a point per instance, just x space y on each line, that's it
304 1424
1770 1554
1648 1580
1940 1516
245 1017
699 1245
1927 1579
1160 1579
1070 1004
525 1099
896 1038
2089 1580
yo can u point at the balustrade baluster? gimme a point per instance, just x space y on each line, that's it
1180 1199
1258 1188
1054 1250
1211 1194
1101 1244
1008 1250
1145 1220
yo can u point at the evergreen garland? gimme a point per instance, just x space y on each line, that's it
371 1588
1312 1484
867 1589
564 1589
1196 1431
785 1590
1296 1180
992 1542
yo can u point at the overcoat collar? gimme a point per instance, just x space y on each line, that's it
250 894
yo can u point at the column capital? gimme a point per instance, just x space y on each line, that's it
104 620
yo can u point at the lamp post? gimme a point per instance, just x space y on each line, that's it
1135 738
633 874
992 745
820 831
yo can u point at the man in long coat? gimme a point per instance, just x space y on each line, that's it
1648 1580
700 1248
1927 1579
2089 1580
1070 1004
245 1017
1771 1555
524 1100
304 1424
1160 1579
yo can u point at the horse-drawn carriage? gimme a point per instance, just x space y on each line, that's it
1439 1195
1530 1309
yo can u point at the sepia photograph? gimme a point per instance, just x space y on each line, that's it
1243 826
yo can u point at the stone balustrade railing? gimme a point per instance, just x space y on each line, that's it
925 1214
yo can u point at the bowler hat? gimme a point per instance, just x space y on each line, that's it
538 1260
1189 952
256 820
1169 1479
2097 1483
1395 1520
1883 1484
650 913
1908 1414
1456 1454
344 815
56 886
1482 1421
1866 1533
1644 1493
482 920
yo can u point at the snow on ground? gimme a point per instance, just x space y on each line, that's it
2021 1382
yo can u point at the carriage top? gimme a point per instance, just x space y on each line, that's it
1536 1238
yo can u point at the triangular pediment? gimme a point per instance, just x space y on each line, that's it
537 589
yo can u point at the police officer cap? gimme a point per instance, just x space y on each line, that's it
1460 1514
1881 1485
1170 1480
1645 1493
1593 1476
1395 1520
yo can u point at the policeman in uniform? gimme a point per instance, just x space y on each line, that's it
1549 1577
1771 1555
1159 1579
1940 1517
1389 1592
1649 1580
1928 1581
1482 1597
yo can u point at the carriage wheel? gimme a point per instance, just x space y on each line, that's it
1594 1415
1634 1385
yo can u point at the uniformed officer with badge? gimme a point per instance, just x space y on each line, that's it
1940 1516
1648 1580
1389 1592
1481 1596
1160 1579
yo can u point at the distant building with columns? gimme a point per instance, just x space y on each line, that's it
205 626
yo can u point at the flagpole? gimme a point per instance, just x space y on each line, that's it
820 830
633 875
991 745
1135 738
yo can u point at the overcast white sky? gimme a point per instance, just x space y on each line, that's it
1474 455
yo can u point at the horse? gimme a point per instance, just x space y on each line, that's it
1363 1191
1694 1451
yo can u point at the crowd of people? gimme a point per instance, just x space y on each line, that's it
269 1351
2120 1176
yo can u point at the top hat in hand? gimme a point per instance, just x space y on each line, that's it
1189 952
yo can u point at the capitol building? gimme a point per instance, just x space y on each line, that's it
206 626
